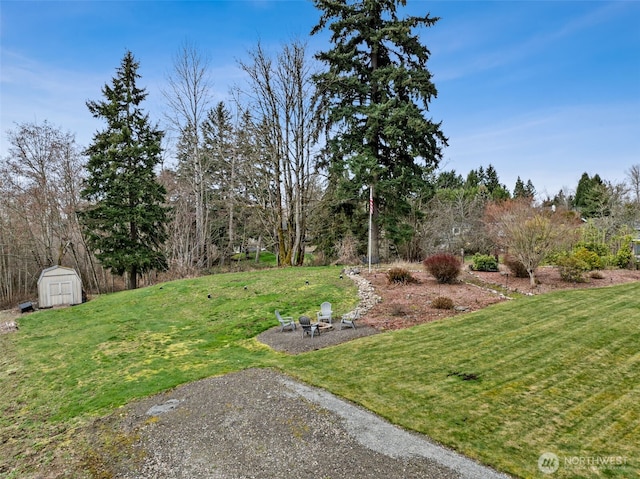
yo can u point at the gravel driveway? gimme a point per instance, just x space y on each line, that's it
262 424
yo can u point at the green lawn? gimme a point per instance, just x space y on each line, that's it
556 373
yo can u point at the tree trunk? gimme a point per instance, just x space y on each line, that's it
133 277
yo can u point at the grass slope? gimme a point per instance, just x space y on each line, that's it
68 364
555 373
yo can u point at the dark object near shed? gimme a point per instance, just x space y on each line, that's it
26 307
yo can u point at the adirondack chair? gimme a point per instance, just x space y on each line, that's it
325 314
285 322
349 319
307 327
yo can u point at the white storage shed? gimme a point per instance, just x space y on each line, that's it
57 286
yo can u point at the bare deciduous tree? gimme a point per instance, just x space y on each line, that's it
189 98
530 233
39 196
279 96
454 222
633 174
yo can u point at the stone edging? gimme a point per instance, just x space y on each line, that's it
366 292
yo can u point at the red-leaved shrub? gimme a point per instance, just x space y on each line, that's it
444 267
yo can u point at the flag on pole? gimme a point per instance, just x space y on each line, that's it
370 224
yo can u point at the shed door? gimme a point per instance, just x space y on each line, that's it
60 293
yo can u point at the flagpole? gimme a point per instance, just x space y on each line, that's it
370 222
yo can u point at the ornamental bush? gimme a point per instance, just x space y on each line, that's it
400 275
591 258
484 262
572 268
515 266
442 302
624 256
444 267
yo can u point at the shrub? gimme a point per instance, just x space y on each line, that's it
397 309
596 275
600 249
400 275
444 267
484 262
572 268
591 258
515 267
624 256
442 302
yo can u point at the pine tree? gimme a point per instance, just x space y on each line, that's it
530 190
522 190
125 220
584 185
590 195
449 180
519 190
222 160
473 179
491 179
496 189
377 90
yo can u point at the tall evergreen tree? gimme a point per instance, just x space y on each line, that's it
377 89
529 189
491 178
519 190
125 220
497 190
449 180
522 190
473 179
591 194
584 185
222 159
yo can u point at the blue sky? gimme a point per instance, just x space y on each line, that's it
544 90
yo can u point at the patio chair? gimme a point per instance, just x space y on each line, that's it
349 320
325 313
285 322
307 327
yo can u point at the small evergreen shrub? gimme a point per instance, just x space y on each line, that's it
624 256
442 302
572 268
484 262
400 275
515 267
600 249
444 267
591 258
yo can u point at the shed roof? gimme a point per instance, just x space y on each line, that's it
50 271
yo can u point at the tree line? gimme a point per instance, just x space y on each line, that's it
287 164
